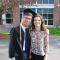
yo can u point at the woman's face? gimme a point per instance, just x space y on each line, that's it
37 21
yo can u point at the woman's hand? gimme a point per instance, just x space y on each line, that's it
45 57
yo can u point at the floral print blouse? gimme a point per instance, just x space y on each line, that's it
39 42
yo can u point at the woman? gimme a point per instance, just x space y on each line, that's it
39 39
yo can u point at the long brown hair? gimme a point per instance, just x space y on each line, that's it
32 27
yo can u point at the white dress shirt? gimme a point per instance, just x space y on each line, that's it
23 27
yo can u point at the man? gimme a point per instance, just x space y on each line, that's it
19 46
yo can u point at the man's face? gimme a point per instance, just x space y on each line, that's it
27 20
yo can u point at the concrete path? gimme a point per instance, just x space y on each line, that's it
54 53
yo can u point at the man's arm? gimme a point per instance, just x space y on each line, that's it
11 43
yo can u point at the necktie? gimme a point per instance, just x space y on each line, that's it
26 37
26 31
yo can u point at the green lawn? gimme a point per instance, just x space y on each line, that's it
4 33
54 31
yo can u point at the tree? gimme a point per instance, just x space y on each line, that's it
5 5
1 10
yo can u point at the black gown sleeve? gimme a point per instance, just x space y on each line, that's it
12 43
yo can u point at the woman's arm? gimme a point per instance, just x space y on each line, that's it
46 42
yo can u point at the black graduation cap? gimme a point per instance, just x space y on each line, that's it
28 11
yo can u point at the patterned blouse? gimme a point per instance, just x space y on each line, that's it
39 42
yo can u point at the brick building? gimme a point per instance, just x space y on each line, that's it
56 19
49 9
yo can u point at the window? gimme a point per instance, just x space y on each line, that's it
50 22
21 12
39 1
51 1
45 22
9 18
50 16
45 16
42 1
20 16
45 10
39 10
45 1
33 9
50 10
8 15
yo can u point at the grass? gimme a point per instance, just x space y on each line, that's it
4 35
54 31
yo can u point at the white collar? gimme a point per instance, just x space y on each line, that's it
23 27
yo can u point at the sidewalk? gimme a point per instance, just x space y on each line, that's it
54 53
4 49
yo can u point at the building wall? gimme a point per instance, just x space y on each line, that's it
56 19
47 8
